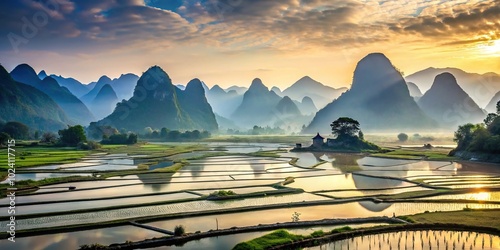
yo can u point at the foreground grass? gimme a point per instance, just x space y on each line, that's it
275 238
27 156
281 237
436 154
467 217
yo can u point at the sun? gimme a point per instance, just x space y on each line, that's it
492 48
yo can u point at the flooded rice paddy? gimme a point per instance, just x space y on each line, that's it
417 240
324 186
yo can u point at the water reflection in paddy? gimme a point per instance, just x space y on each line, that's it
68 206
359 193
346 181
73 240
479 196
418 240
127 213
340 211
136 190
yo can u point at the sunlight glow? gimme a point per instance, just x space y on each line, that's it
491 48
483 196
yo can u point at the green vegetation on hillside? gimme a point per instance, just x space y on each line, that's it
26 104
158 103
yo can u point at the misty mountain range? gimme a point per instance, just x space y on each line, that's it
380 98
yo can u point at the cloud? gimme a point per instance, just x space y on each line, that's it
477 20
248 25
70 25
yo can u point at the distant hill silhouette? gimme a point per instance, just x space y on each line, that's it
319 93
307 106
257 105
480 87
74 86
414 90
287 107
379 99
124 85
223 103
447 103
240 90
26 104
104 103
157 103
89 97
263 107
277 91
76 111
492 105
42 74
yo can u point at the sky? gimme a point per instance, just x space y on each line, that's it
230 42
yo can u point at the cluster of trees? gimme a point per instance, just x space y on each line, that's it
348 136
14 130
120 139
484 138
175 135
403 137
258 130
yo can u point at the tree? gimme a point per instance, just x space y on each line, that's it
16 130
72 135
498 108
402 137
36 136
155 134
148 131
163 133
361 135
490 118
179 230
174 135
4 138
132 138
464 135
49 137
494 126
205 134
479 138
345 128
196 134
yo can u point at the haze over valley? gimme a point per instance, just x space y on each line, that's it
249 124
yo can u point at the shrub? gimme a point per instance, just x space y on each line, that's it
94 246
222 193
90 145
341 230
49 137
179 230
4 138
318 233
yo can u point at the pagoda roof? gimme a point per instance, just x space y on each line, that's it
318 137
